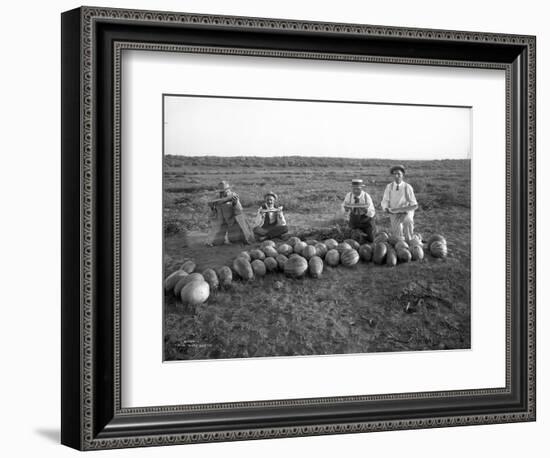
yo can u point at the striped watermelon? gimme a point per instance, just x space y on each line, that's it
417 252
436 238
365 252
258 267
284 249
343 246
243 268
225 276
311 242
189 266
299 247
257 254
438 249
331 244
296 267
380 251
391 257
245 255
267 243
281 261
309 252
403 255
173 278
316 266
321 249
349 257
332 258
269 251
352 243
270 264
401 244
211 278
293 241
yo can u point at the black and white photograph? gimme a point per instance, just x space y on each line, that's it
296 227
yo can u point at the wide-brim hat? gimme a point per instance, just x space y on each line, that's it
223 186
272 194
357 183
397 167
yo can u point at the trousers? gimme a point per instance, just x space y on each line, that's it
364 223
402 225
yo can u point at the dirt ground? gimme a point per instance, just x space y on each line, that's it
367 308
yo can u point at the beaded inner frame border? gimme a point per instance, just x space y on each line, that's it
92 14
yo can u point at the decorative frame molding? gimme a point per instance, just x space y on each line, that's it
101 422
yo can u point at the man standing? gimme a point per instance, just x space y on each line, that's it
399 201
361 211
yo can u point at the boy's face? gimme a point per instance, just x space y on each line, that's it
398 176
270 201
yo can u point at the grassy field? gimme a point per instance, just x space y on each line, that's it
348 310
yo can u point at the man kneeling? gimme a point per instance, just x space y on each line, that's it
270 220
361 211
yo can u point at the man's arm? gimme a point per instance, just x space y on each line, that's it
386 198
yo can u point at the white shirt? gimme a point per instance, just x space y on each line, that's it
398 196
364 198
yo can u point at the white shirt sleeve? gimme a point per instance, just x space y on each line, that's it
281 218
411 198
370 205
347 200
386 198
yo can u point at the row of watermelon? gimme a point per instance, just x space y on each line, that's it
296 258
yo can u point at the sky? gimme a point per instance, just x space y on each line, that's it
203 126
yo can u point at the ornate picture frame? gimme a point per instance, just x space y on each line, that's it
93 416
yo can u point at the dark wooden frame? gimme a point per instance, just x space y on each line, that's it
92 39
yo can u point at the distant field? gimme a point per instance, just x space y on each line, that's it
356 310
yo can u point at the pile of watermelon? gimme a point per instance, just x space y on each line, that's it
296 259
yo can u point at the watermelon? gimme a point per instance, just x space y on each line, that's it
173 278
365 252
352 243
225 276
243 268
267 243
349 257
293 241
321 249
438 249
401 244
316 267
380 251
270 264
245 255
311 242
332 258
195 293
295 255
184 280
392 239
284 249
299 247
436 238
188 266
258 267
269 251
257 254
343 246
381 237
331 244
281 261
403 255
296 267
417 252
391 257
309 252
211 278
